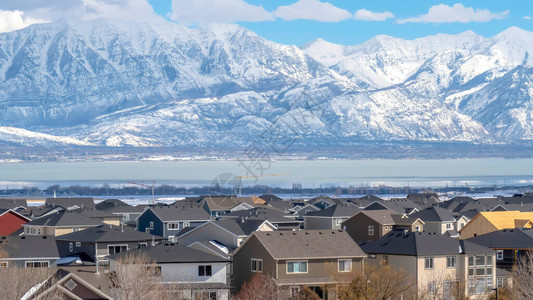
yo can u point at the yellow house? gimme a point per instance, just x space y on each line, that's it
490 221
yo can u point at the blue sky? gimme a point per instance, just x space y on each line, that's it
292 21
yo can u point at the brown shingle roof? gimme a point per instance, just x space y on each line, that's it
305 244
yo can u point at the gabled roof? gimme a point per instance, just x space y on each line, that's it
225 203
387 217
33 247
307 244
171 253
118 206
336 211
516 238
69 202
240 227
64 218
505 219
399 242
269 198
110 203
13 203
434 214
262 213
176 212
5 211
108 233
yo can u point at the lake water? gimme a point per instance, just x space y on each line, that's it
415 173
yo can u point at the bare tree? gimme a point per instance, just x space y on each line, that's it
523 278
378 283
15 281
260 287
135 277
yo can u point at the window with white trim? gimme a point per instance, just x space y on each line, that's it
143 244
147 230
345 265
71 246
151 225
113 249
207 295
257 265
296 267
448 225
37 264
173 226
499 255
450 262
78 244
4 264
370 230
338 221
428 263
126 217
417 228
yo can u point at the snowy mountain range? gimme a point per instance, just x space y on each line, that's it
105 83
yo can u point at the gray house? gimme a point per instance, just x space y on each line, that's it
331 217
98 242
28 251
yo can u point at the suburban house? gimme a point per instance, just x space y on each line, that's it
98 242
373 224
168 220
324 202
301 211
198 275
100 215
221 205
490 221
317 259
11 221
72 284
281 220
436 219
128 213
511 245
13 203
229 232
331 217
58 222
437 263
28 251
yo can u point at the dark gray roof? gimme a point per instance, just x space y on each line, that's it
305 244
64 218
96 213
434 214
110 203
68 202
240 226
517 238
12 203
400 242
269 198
262 213
345 210
108 233
171 253
177 212
29 247
388 217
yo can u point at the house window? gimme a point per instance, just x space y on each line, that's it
450 261
113 249
151 225
205 295
417 228
385 259
126 217
39 231
370 230
4 264
429 263
432 287
143 244
297 267
205 270
71 246
76 229
372 256
78 244
37 264
448 226
147 230
499 282
186 224
345 265
173 226
257 265
499 255
480 272
338 221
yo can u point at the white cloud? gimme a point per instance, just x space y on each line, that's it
367 15
443 13
23 13
11 20
312 10
527 18
223 11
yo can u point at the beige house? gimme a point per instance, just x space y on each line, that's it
59 222
317 259
440 266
